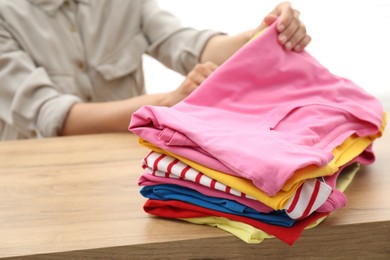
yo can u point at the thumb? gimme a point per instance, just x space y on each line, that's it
267 21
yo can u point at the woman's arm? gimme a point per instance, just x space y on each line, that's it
114 116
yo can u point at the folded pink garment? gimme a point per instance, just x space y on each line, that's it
265 106
310 195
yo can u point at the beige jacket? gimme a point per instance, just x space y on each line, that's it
54 53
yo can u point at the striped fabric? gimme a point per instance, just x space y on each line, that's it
310 195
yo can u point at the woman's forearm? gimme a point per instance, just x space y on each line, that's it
114 116
220 47
105 117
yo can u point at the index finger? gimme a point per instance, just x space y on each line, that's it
285 15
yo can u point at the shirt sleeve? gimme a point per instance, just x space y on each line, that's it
177 47
28 98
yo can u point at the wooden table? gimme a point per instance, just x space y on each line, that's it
77 197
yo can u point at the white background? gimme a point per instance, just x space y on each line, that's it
349 37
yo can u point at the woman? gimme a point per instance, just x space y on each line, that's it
75 67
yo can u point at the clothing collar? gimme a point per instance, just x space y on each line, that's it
52 6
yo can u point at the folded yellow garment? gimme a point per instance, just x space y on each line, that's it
344 153
245 232
252 235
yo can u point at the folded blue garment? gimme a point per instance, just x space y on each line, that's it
176 192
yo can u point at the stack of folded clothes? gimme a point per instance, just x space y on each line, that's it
263 148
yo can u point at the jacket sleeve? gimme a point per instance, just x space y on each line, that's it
29 100
177 47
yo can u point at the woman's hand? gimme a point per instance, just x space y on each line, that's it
292 32
196 77
292 35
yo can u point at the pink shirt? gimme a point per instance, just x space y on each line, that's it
279 110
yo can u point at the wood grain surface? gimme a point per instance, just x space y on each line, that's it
77 197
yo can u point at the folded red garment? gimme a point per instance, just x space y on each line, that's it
179 209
